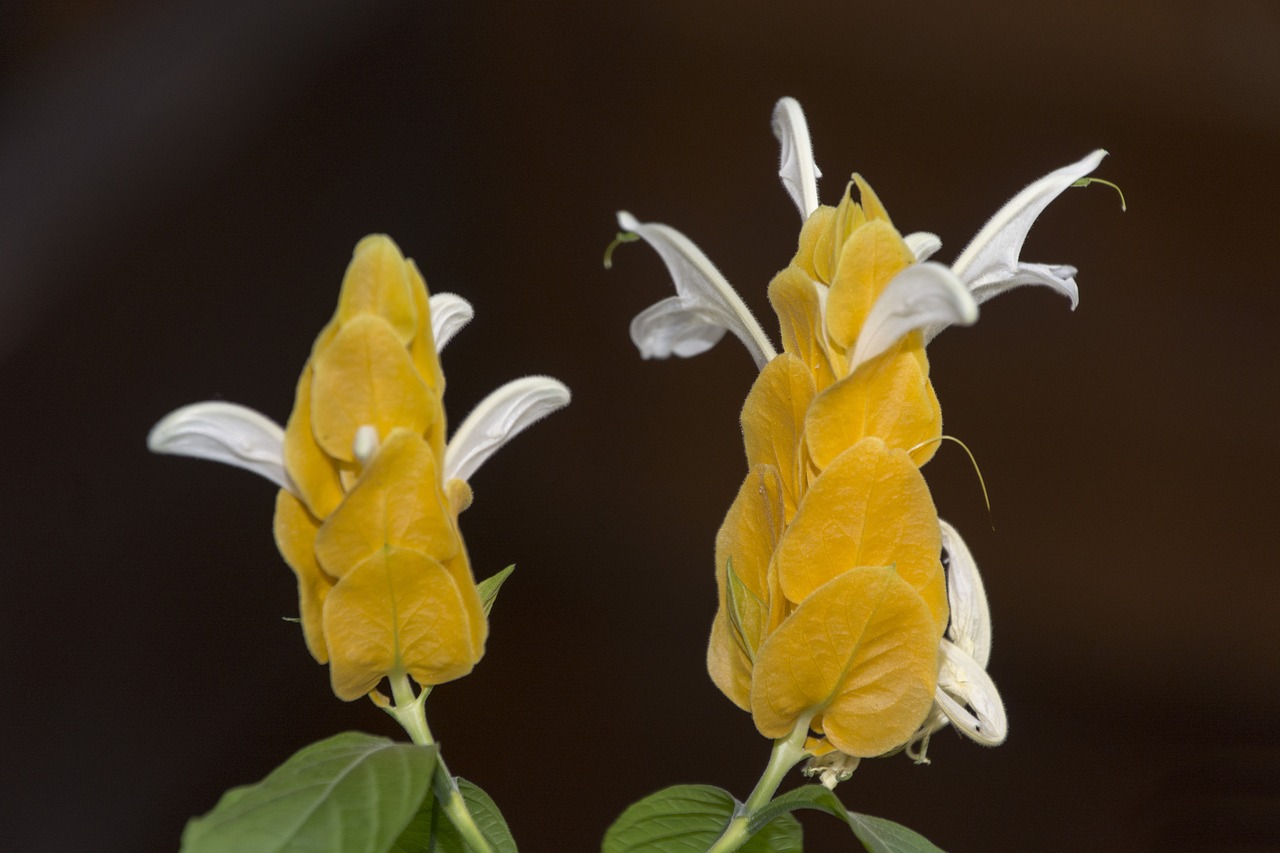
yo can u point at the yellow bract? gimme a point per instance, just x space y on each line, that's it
385 587
831 590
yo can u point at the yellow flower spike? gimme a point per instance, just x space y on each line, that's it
312 470
728 663
869 259
870 507
459 568
377 283
863 651
295 531
889 397
366 377
773 423
398 611
797 301
396 503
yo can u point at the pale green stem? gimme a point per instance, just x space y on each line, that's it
409 713
787 753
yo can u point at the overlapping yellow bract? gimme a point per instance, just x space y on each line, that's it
384 584
832 594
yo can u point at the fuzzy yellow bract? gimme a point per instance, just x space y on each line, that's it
384 583
832 598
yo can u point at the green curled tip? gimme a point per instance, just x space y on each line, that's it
1084 182
623 237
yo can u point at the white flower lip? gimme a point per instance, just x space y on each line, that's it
500 417
705 305
796 165
449 313
224 432
921 295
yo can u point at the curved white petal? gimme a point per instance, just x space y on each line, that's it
1060 277
963 682
796 167
702 289
449 313
923 244
919 296
500 417
224 432
676 326
992 257
970 627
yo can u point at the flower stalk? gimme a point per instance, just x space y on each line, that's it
787 753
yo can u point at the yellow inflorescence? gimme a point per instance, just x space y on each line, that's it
832 594
383 577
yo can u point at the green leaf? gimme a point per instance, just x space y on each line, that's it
884 836
351 792
432 832
876 834
488 588
781 835
679 819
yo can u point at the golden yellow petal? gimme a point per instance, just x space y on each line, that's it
870 507
398 610
426 360
796 300
727 662
871 205
396 503
295 530
773 422
750 532
889 397
459 568
377 283
862 651
869 259
314 472
365 377
815 249
459 494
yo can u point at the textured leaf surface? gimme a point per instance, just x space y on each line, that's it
876 834
689 819
348 794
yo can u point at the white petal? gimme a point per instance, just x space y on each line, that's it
449 313
1060 277
970 627
923 244
797 168
500 417
675 326
993 255
224 432
702 290
962 682
919 296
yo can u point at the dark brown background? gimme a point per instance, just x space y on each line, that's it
180 190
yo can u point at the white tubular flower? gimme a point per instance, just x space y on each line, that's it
797 168
990 264
921 295
237 435
704 308
966 696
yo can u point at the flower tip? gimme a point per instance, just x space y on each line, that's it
224 432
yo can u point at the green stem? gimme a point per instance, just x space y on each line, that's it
409 713
787 753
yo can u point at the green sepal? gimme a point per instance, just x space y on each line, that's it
488 588
352 791
876 834
432 832
689 819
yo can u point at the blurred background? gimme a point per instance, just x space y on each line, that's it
181 185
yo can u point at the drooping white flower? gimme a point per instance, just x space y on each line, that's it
239 436
966 696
